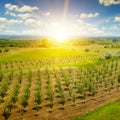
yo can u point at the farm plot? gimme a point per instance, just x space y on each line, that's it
42 94
47 62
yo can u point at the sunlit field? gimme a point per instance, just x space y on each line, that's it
59 59
44 79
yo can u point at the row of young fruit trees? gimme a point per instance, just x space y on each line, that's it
50 87
45 62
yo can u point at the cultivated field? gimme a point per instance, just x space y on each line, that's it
41 81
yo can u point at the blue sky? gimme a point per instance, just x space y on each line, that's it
50 17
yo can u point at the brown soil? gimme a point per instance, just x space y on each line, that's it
58 112
69 111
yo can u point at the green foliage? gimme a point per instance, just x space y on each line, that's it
15 93
87 49
1 100
81 89
50 94
9 104
119 78
1 76
6 50
84 73
6 112
73 98
29 76
61 91
38 96
3 88
65 78
24 101
26 94
10 76
20 77
110 111
50 91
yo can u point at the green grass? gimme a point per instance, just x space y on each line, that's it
37 53
22 54
110 111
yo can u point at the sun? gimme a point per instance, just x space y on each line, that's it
59 31
61 34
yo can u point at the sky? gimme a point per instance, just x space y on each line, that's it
51 17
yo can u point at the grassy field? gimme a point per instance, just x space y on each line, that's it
110 111
40 80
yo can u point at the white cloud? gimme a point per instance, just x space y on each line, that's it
4 22
10 32
32 22
94 30
11 7
103 28
31 32
88 28
90 15
81 22
47 14
117 19
12 14
107 20
24 16
7 12
115 27
1 27
13 21
24 8
109 2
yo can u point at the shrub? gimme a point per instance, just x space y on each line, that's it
108 55
15 93
6 112
106 46
20 77
38 96
50 94
6 50
24 101
1 76
102 58
70 91
61 91
119 78
26 94
9 104
117 54
87 49
73 98
10 76
29 76
91 88
1 100
4 88
66 79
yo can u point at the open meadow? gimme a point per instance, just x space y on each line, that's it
40 80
